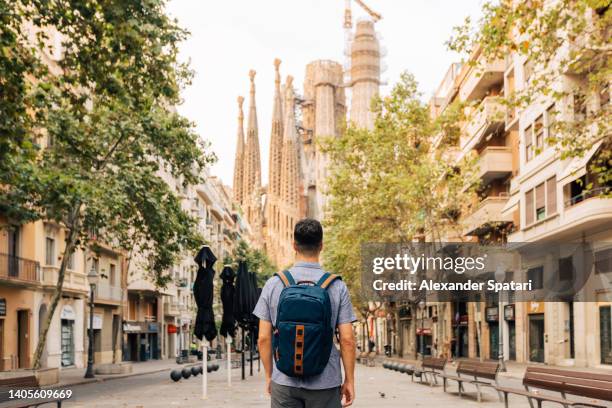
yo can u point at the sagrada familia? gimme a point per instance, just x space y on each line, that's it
297 167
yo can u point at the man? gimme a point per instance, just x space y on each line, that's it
326 390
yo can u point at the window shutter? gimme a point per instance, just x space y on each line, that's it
551 196
539 196
529 207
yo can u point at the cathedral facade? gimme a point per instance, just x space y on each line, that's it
298 169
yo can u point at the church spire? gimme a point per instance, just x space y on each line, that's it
252 174
239 157
276 137
290 165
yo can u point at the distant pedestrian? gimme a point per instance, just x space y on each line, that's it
299 311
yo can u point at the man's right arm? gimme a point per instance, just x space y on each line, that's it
265 349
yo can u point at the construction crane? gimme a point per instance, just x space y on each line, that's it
348 27
348 16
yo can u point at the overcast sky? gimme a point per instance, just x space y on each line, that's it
229 37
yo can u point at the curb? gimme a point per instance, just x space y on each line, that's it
104 379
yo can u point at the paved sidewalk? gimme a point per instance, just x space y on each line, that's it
75 376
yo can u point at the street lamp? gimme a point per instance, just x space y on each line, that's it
500 276
92 278
422 307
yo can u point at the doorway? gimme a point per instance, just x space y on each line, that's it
536 338
67 338
494 340
23 335
1 344
511 340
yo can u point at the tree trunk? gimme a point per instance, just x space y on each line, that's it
57 293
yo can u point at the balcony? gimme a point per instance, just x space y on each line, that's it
182 283
488 117
18 270
75 282
480 79
486 215
495 162
107 293
171 309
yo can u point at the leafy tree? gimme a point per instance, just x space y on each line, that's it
257 261
566 48
102 112
390 184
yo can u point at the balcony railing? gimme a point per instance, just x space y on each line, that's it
171 309
481 78
585 195
488 117
18 269
488 212
494 162
108 292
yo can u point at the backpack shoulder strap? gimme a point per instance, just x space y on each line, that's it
286 278
327 280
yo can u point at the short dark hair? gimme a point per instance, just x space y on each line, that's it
308 236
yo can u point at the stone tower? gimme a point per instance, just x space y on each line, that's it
365 73
239 157
323 113
252 192
275 170
290 178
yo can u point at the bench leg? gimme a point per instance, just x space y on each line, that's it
506 399
478 395
444 384
459 386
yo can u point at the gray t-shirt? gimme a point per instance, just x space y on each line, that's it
342 312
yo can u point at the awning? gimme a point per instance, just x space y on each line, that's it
511 205
577 166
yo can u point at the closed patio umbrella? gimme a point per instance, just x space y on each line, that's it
228 322
203 294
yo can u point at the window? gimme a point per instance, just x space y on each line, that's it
132 309
529 143
50 251
529 207
540 202
528 70
550 122
70 263
580 106
603 261
566 269
551 196
112 274
536 276
538 129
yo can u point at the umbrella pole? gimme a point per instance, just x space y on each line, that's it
251 352
228 342
242 356
204 369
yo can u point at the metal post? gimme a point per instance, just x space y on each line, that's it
500 353
242 353
251 352
204 370
228 342
89 373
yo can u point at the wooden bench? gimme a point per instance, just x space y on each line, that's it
23 383
591 386
430 365
479 374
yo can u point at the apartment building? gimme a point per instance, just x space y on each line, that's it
528 194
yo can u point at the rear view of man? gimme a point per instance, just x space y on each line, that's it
294 377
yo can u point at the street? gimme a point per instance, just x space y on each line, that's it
376 387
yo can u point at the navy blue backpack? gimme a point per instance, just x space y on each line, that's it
303 334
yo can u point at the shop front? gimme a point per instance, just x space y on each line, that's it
605 333
492 314
142 341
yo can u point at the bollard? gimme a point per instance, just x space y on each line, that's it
175 375
186 373
195 371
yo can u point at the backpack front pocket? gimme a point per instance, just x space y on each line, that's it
298 352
